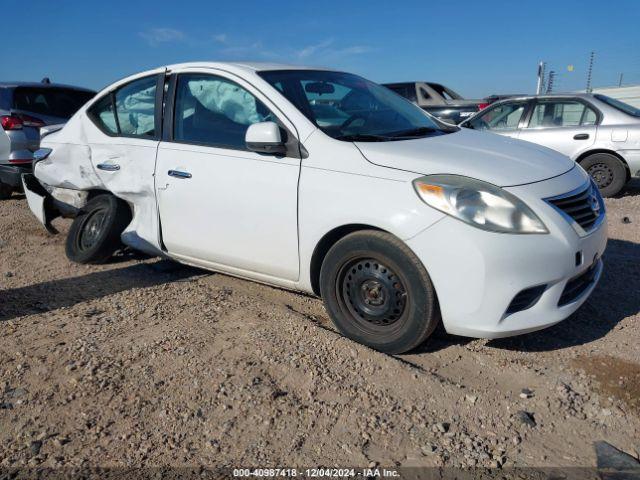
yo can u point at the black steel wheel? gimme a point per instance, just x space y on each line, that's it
377 292
607 171
372 293
94 235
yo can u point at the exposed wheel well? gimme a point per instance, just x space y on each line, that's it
610 152
325 244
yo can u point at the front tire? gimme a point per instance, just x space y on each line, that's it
378 293
607 171
94 235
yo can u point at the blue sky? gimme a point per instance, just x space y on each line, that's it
475 47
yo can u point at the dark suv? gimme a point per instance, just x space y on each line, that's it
24 109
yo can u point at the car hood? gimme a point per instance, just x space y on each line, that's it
492 158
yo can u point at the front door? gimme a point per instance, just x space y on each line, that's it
565 125
220 204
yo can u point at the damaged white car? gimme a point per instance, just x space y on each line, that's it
324 182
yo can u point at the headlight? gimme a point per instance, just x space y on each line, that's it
478 203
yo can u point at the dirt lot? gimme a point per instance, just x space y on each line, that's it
145 362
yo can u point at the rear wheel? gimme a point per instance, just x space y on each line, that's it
95 233
378 293
607 171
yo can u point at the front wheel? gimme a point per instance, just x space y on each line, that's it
378 293
94 235
607 171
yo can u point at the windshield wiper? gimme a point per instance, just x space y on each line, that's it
414 132
363 137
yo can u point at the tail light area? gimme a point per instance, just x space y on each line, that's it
483 105
17 121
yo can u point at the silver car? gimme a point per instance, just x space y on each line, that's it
26 107
600 133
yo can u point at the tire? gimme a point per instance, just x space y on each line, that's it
94 235
378 293
607 171
5 191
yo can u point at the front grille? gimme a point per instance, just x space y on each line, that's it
578 285
584 207
525 299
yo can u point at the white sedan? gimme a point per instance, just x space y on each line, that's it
324 182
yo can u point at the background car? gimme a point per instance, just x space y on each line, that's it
438 100
24 109
600 133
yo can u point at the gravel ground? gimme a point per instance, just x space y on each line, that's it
143 362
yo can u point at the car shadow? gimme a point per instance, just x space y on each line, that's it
614 299
48 296
632 188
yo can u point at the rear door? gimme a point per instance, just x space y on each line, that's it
123 148
566 125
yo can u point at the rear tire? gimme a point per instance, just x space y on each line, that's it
94 235
607 171
378 293
5 191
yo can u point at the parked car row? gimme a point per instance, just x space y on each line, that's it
24 109
598 132
324 182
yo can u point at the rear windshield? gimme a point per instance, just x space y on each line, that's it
447 93
54 102
618 105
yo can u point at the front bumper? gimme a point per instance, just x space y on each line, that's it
477 274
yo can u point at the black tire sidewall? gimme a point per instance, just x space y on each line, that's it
420 318
116 220
617 167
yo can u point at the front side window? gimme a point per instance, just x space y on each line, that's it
350 108
129 111
214 111
565 113
504 117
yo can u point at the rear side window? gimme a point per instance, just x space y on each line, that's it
129 111
54 102
565 113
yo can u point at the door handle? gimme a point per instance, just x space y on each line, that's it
109 167
581 136
179 174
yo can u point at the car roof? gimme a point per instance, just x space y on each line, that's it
8 84
548 95
246 66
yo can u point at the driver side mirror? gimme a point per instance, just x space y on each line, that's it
265 137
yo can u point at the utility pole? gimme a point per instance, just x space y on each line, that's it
541 69
552 76
590 71
620 81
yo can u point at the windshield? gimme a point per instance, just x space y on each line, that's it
350 108
618 105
